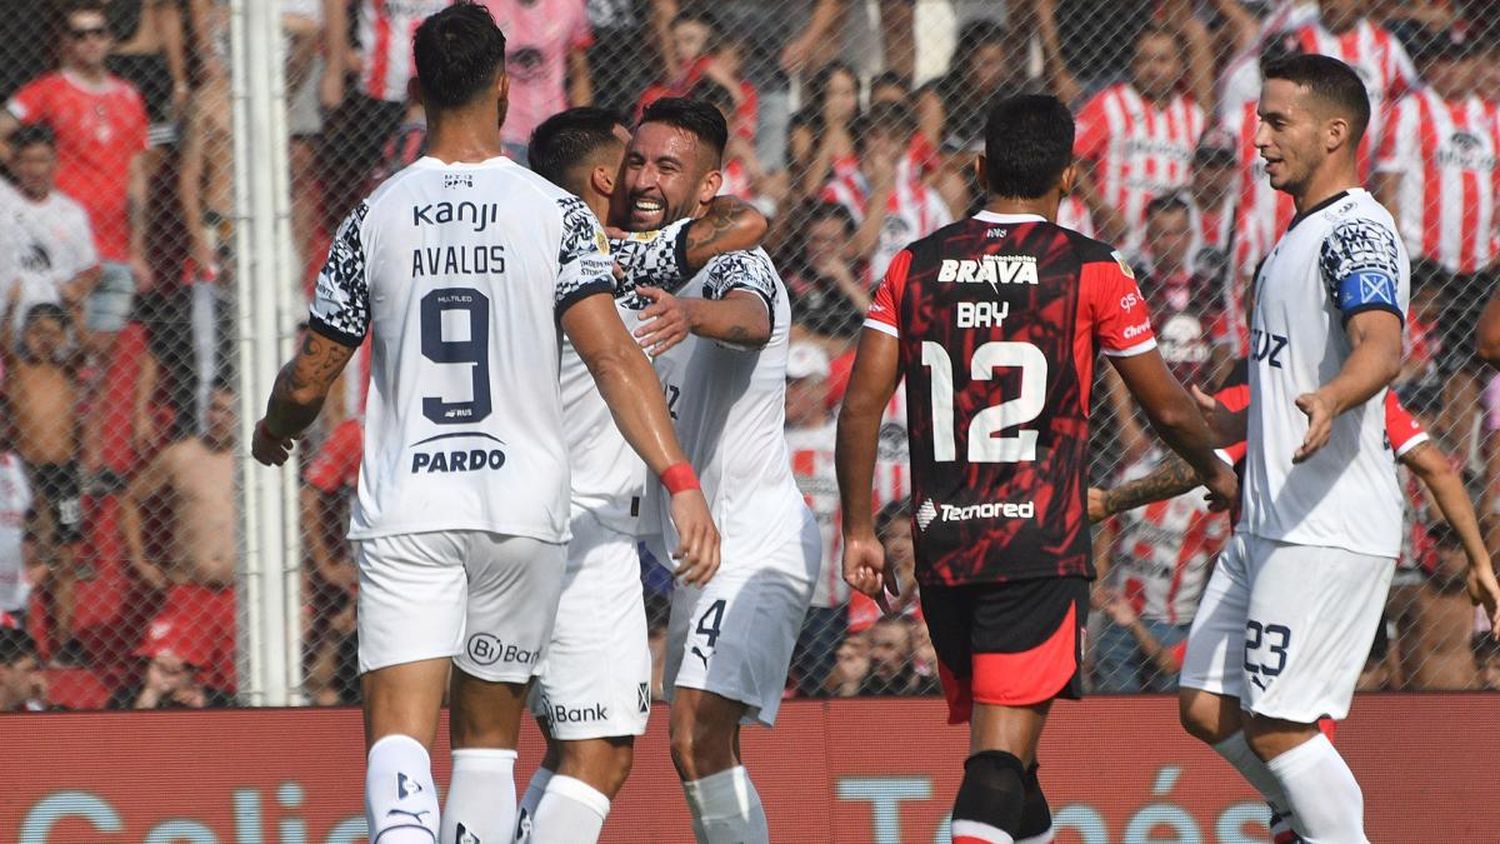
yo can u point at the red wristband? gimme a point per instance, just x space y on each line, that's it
680 478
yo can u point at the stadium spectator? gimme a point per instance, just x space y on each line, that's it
824 282
890 87
19 568
1436 651
23 687
27 31
810 439
173 659
149 52
55 258
1210 199
1419 367
329 483
951 110
100 124
1151 565
189 489
893 526
1436 171
892 670
1136 139
851 666
1186 306
820 145
743 175
886 194
41 391
359 122
302 28
703 52
546 58
619 62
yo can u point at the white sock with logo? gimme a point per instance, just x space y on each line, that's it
1327 804
526 814
401 805
571 812
481 807
726 808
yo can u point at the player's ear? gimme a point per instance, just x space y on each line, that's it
1336 133
1068 179
414 91
602 180
710 186
979 169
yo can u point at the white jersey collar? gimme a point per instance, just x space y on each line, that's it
1008 219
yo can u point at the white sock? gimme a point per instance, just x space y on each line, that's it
401 804
572 812
726 809
526 814
1238 753
481 807
1326 801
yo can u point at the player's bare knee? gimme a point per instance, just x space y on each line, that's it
603 764
701 748
1207 717
1271 737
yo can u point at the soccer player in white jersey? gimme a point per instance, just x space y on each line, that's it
593 693
729 643
462 266
1290 612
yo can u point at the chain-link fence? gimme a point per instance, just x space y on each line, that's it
854 126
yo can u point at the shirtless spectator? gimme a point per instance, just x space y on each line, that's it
100 123
1436 651
193 481
149 53
41 395
56 261
329 484
23 687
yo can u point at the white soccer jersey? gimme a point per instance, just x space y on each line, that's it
459 271
729 408
1341 258
609 478
15 501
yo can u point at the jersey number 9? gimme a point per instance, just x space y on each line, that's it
475 351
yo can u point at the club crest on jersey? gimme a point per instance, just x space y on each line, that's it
993 270
480 215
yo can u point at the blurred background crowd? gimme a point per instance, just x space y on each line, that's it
854 128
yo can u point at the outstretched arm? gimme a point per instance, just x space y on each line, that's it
1169 480
876 371
1177 420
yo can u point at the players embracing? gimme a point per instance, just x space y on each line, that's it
995 323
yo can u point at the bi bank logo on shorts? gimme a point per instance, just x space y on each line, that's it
485 649
931 512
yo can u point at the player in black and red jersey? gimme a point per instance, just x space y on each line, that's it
995 322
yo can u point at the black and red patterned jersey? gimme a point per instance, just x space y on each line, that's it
1000 318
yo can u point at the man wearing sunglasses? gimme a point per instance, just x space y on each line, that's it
100 124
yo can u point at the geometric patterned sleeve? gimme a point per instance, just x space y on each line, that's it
340 308
741 271
1361 264
583 264
652 259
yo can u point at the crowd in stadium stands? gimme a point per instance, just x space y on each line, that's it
853 127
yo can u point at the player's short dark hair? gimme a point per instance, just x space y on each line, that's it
885 118
890 514
1028 143
1331 81
46 310
33 134
459 52
16 645
699 118
569 138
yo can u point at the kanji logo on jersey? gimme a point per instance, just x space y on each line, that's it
478 215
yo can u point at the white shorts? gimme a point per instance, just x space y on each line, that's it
596 679
1287 628
734 637
486 600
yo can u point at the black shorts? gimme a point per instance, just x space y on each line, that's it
1010 644
1464 296
59 488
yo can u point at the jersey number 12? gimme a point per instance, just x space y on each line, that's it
984 446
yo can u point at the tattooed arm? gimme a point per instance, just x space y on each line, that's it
1171 479
298 395
731 224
